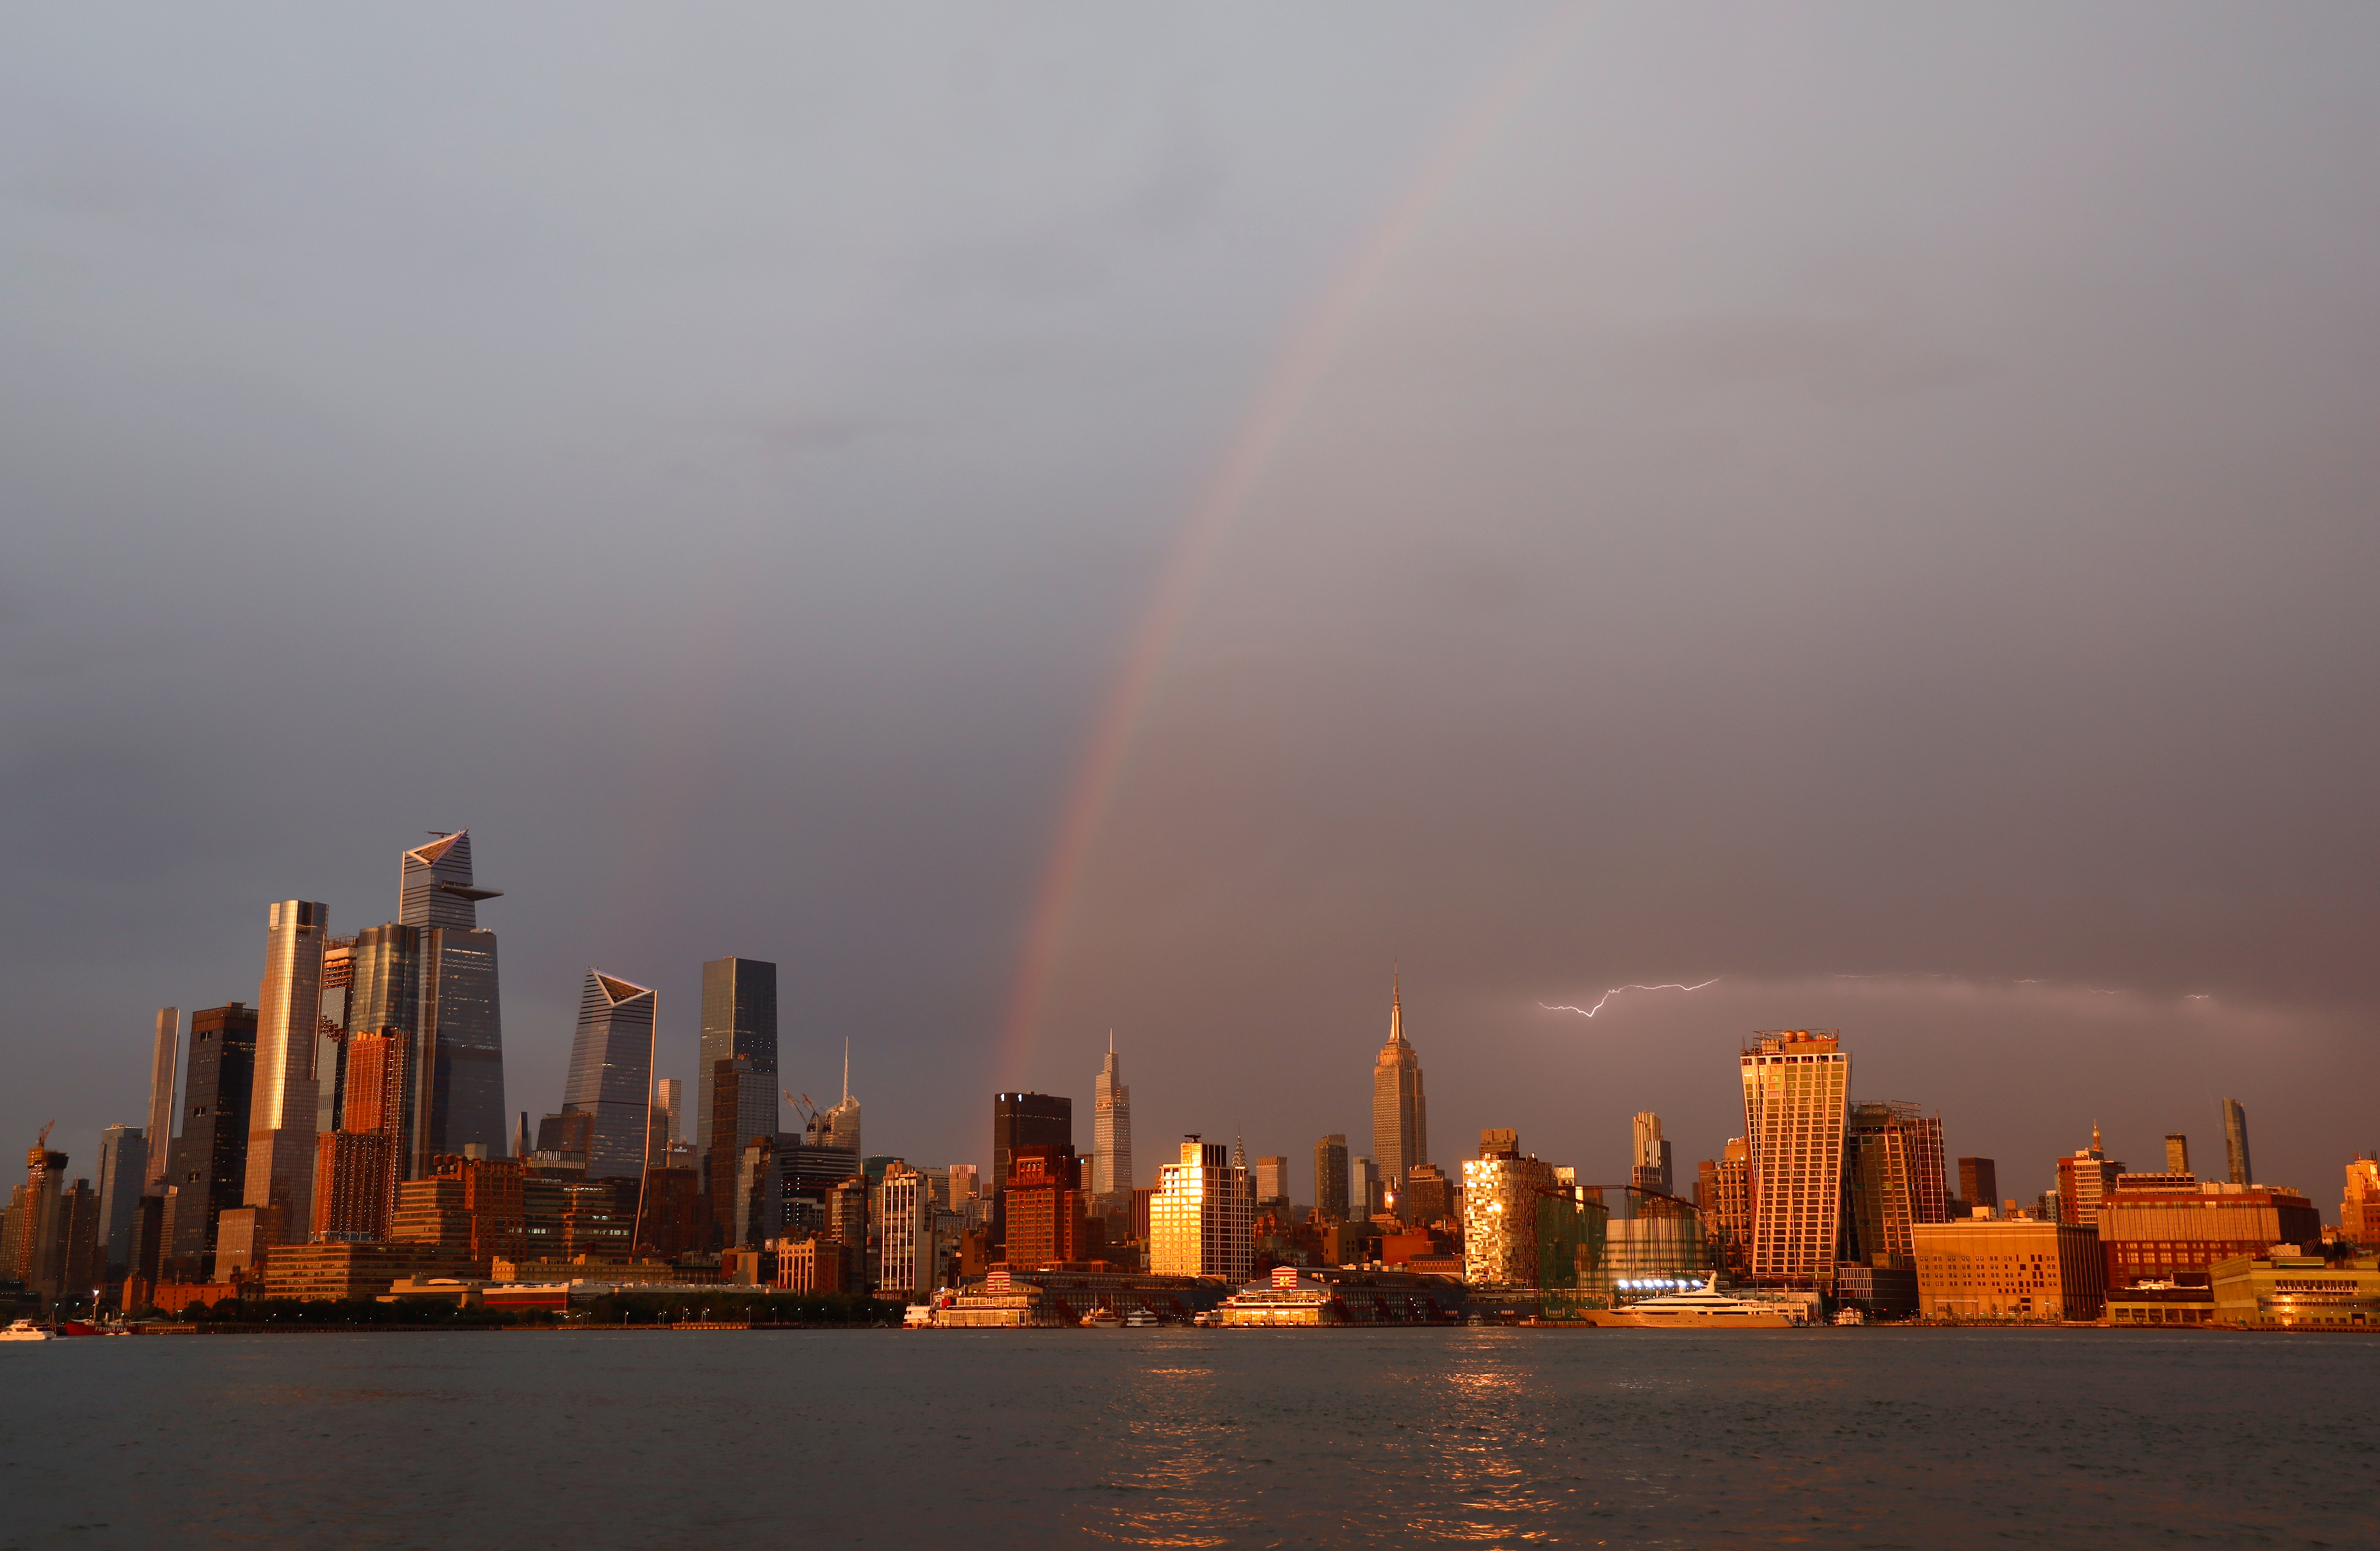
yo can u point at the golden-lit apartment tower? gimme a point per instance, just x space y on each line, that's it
1199 1220
2358 1209
1399 1113
1794 1083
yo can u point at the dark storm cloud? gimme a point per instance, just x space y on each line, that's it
1860 493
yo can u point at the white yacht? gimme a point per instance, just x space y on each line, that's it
1704 1308
25 1330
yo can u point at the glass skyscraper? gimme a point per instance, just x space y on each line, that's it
209 1166
739 1018
159 1133
459 1050
280 1117
610 1074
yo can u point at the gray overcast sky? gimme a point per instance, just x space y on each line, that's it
1879 505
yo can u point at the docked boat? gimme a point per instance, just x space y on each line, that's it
25 1330
1141 1319
1704 1308
1103 1319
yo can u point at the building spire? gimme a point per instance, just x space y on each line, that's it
2095 1136
846 1068
1396 1008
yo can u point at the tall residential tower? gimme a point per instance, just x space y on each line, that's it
1794 1083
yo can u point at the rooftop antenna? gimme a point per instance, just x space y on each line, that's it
846 1068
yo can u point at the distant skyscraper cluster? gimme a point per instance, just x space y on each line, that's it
347 1135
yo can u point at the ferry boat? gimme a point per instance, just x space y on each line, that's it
1704 1308
1141 1319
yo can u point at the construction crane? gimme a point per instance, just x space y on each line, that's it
802 1106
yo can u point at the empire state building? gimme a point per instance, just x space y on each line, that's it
1399 1113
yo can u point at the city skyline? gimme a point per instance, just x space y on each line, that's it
1564 509
1591 1145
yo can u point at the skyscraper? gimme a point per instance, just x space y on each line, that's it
1365 1189
905 1261
458 1059
331 1031
1111 1128
1399 1114
1795 1082
1728 1216
2235 1142
1272 1185
2084 1180
1651 1170
123 1169
671 1094
1892 1172
1331 1178
839 1127
2177 1153
1199 1221
281 1113
357 1167
610 1074
159 1133
1501 1194
739 1018
1027 1120
2359 1208
1979 1181
209 1170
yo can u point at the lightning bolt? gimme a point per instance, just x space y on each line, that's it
1591 1012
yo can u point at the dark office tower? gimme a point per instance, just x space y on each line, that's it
209 1170
2235 1142
80 1272
330 1031
724 1081
611 1074
1027 1120
123 1167
1331 1178
459 1052
1979 1181
739 1019
160 1130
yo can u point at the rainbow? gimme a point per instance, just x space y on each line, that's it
1281 399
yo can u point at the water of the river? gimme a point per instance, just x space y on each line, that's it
982 1440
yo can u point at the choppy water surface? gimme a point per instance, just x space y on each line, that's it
1194 1438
